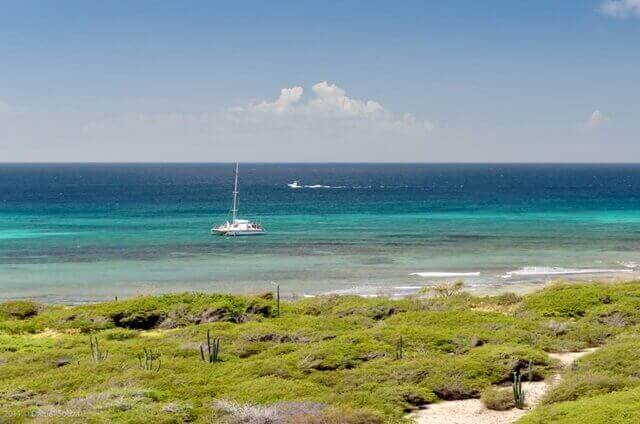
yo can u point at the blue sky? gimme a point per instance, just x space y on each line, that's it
491 80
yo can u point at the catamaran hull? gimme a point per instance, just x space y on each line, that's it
236 233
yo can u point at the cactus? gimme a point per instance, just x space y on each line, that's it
399 349
278 300
96 353
149 360
213 349
518 393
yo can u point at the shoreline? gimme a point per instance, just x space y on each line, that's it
391 291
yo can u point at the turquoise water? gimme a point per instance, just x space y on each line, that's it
85 232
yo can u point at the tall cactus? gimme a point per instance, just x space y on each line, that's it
278 300
518 393
213 349
399 348
96 353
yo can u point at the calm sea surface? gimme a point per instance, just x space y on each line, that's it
84 232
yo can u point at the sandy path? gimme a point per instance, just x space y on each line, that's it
472 411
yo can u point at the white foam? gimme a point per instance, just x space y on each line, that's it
181 254
356 290
543 270
446 274
630 264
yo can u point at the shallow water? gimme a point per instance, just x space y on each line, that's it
85 232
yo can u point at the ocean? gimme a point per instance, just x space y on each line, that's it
84 232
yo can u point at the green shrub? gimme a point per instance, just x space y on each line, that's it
507 299
409 394
19 309
260 306
452 384
567 300
341 353
621 358
146 312
120 334
586 384
498 399
349 415
498 363
446 290
613 408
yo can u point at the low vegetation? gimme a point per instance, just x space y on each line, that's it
331 359
498 399
613 408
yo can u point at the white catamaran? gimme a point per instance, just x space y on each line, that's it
237 227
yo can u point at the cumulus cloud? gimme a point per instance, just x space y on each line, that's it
620 8
288 98
597 119
332 99
322 123
330 106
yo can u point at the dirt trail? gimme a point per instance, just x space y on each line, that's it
472 411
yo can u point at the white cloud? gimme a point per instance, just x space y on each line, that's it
620 8
330 109
597 119
288 98
329 125
5 107
332 99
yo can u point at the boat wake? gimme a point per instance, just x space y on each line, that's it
297 185
322 186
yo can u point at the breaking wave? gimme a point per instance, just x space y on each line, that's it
446 274
543 270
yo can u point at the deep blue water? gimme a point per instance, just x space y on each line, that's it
88 231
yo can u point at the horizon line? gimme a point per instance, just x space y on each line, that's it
317 163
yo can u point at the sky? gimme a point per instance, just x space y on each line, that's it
320 81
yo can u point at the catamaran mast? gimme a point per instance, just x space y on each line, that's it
234 210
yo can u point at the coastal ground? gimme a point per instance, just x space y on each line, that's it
329 359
